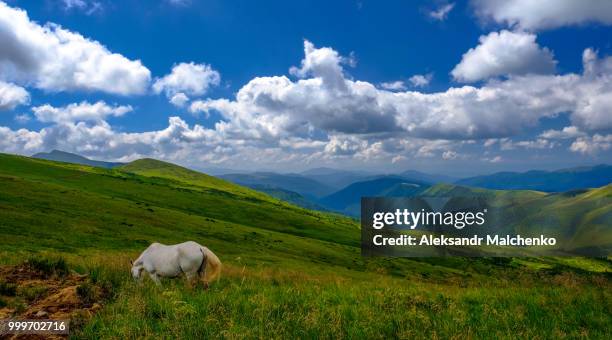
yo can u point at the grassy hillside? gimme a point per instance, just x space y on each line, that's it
110 199
288 272
583 217
578 219
154 168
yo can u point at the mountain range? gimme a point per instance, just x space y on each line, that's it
307 187
548 181
341 190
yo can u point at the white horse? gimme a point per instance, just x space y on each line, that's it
187 258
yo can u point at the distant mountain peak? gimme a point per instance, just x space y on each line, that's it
54 151
151 162
67 157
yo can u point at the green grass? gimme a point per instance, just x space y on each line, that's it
288 272
334 307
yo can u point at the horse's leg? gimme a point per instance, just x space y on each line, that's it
203 278
202 274
189 277
155 278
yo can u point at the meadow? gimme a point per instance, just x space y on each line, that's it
288 272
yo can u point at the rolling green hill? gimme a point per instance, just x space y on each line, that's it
577 219
289 272
110 198
154 168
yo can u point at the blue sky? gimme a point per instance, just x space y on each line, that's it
441 86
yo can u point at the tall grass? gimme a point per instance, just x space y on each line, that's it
265 303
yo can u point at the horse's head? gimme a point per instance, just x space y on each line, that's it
136 270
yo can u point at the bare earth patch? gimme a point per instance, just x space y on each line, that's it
33 294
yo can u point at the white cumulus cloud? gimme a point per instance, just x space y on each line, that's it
565 133
504 53
270 107
544 14
55 59
327 116
592 145
397 85
179 99
420 80
187 78
83 111
12 96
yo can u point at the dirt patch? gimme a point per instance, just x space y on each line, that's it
30 293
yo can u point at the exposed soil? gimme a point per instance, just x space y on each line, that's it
42 296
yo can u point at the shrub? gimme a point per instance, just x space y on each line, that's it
33 293
109 281
49 267
7 289
86 291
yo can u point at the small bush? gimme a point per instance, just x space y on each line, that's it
33 293
78 320
86 291
501 261
2 303
18 305
49 267
109 281
7 289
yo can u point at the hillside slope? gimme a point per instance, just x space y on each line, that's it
577 219
155 168
114 204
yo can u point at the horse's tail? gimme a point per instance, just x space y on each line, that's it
212 265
